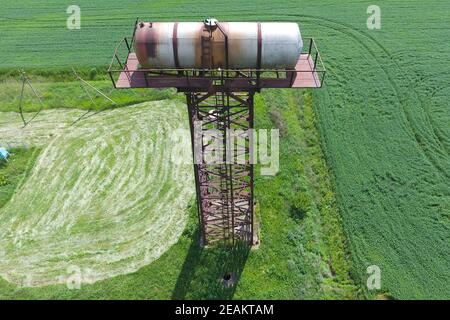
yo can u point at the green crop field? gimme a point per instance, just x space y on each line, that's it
370 153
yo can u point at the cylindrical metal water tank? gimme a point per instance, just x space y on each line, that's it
232 45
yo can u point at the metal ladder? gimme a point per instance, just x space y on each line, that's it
206 49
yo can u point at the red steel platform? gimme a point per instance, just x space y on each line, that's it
131 76
309 72
306 76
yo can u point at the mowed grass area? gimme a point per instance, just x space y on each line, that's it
383 115
104 197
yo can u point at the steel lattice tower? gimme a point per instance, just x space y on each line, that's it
219 101
224 189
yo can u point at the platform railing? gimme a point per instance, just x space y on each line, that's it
119 64
314 53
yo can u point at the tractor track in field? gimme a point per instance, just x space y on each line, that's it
413 132
430 95
103 198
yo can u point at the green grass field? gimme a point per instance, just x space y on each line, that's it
383 125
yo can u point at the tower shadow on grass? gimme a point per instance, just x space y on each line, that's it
210 273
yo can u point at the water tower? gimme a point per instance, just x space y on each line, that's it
219 66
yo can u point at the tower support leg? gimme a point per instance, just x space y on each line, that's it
222 141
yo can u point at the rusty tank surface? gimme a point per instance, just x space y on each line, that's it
213 45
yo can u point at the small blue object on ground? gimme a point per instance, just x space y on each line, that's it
4 154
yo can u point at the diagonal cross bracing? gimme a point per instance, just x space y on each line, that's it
224 187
